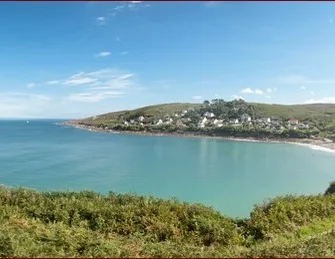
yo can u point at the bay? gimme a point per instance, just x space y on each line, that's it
230 176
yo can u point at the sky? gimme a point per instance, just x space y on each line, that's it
78 59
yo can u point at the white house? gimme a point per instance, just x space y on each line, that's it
245 118
126 123
183 112
159 122
218 122
209 115
141 118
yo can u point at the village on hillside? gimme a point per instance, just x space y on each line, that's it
233 116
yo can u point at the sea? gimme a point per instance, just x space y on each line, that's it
229 176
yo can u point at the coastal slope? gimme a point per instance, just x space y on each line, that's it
307 124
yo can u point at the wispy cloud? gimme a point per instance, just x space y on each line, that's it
94 96
101 20
129 5
197 97
322 100
14 104
271 90
330 20
252 91
124 53
53 82
303 87
102 54
312 93
79 80
31 85
101 84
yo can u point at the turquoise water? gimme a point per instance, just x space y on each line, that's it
230 176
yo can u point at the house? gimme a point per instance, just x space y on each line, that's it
293 122
183 113
169 121
126 123
268 120
141 118
141 124
132 121
234 121
209 115
303 126
202 122
159 122
245 118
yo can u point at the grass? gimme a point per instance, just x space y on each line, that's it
309 112
89 224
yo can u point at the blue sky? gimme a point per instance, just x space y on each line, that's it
77 59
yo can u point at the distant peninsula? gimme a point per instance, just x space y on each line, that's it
312 124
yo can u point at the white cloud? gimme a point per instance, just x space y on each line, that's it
236 97
21 104
79 81
268 96
330 20
101 84
303 88
94 97
31 85
101 20
269 90
251 91
197 97
52 82
124 53
323 100
312 93
135 2
102 54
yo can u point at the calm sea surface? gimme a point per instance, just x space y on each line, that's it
227 175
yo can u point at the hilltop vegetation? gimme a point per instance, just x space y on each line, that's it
89 224
220 118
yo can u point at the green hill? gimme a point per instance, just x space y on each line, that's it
314 120
300 112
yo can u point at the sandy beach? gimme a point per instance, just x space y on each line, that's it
316 144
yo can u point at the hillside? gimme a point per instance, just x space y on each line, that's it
224 119
92 225
300 112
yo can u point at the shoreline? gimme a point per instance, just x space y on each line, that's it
316 144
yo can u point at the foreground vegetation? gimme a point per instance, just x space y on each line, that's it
89 224
315 120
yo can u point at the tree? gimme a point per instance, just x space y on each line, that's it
331 189
206 102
